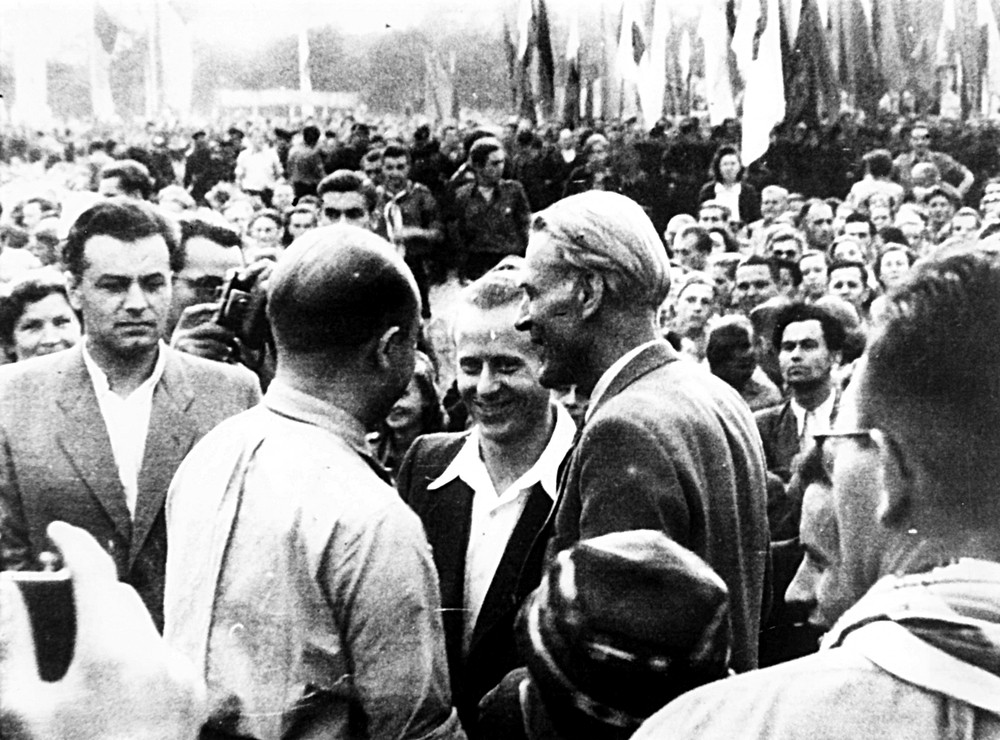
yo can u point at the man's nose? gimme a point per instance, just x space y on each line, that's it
135 297
488 381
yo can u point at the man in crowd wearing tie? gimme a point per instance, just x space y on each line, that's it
809 341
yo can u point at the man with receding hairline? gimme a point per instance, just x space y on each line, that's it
665 445
297 580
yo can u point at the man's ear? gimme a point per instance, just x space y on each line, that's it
590 293
387 346
73 290
898 479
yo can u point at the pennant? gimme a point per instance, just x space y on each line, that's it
546 64
886 34
810 81
571 101
510 49
757 45
714 33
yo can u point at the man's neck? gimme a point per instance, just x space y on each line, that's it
124 373
506 462
812 395
619 338
391 191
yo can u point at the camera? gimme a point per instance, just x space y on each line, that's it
243 310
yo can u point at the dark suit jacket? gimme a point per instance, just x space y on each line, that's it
447 516
780 434
671 447
56 461
749 200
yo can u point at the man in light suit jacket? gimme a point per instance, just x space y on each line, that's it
485 495
93 435
665 445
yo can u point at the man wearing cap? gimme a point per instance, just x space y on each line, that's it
665 444
485 495
916 655
298 583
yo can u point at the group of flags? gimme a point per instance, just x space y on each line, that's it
767 61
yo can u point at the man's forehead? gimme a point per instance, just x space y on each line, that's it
750 272
803 329
846 274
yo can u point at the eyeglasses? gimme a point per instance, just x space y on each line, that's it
208 288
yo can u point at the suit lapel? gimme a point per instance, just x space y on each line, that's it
523 553
654 356
84 438
170 437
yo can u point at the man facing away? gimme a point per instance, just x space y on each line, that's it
665 445
298 583
93 435
919 558
485 495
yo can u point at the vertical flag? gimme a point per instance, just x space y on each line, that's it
305 80
546 64
810 82
653 66
987 20
452 80
631 47
525 32
757 45
888 46
684 62
859 70
714 33
511 51
571 104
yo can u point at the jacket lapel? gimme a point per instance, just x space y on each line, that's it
521 557
171 436
83 436
645 362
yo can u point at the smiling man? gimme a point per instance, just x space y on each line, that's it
665 445
485 495
93 435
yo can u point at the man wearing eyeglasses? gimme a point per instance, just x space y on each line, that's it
917 557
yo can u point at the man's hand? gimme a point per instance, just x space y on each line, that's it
123 681
197 334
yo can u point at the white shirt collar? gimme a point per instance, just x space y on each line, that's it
100 378
822 414
468 465
604 382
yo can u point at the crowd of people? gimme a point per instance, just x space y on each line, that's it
502 431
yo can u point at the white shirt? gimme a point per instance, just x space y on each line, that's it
729 195
127 421
494 515
612 372
821 421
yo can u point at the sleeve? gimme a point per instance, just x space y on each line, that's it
15 546
630 479
522 213
383 586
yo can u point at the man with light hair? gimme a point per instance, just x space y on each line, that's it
773 203
665 445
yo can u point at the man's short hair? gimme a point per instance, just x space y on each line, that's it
609 234
482 149
842 264
338 287
933 371
727 212
783 233
349 181
372 156
724 327
498 288
776 190
755 260
193 226
878 162
133 177
702 238
289 212
793 313
310 135
859 218
123 219
395 151
808 206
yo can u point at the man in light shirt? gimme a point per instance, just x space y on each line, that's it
485 495
665 445
92 436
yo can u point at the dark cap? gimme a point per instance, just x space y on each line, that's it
622 624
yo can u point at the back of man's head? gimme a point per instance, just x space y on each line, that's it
133 178
933 376
337 288
610 235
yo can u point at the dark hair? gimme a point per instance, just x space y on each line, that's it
702 238
842 264
133 177
289 212
859 218
833 330
755 260
122 219
29 287
878 162
349 181
394 151
192 226
892 234
911 257
310 135
482 149
723 151
338 287
270 213
808 206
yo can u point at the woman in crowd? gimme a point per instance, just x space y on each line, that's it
419 411
727 186
36 317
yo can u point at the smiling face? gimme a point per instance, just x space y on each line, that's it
47 325
123 294
498 374
550 312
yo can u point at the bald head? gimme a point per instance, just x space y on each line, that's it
338 287
610 235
